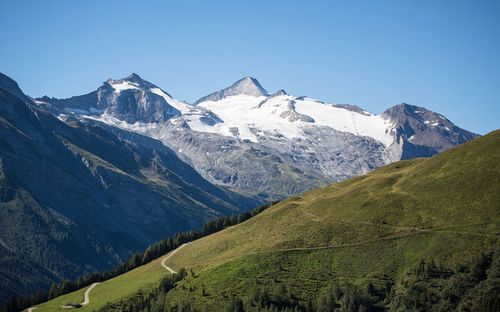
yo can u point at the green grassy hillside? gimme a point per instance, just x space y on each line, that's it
373 227
420 234
121 287
457 191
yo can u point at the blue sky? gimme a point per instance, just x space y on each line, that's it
443 55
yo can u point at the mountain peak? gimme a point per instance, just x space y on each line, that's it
245 86
424 132
133 77
248 86
132 81
404 109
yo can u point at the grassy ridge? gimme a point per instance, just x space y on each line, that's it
454 191
371 227
371 230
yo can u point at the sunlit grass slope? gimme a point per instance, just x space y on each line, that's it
371 228
456 191
121 287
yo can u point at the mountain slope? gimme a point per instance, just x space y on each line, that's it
371 229
456 189
427 228
269 146
76 198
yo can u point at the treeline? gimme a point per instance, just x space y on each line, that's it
468 287
274 297
338 296
428 286
17 303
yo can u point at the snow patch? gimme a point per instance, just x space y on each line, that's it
180 106
123 85
39 102
139 127
341 119
249 115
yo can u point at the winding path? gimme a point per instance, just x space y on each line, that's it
86 297
170 255
87 293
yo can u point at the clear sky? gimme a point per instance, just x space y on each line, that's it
443 55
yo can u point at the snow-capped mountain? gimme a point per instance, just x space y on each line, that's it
272 145
130 99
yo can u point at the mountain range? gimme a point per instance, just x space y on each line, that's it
265 145
88 180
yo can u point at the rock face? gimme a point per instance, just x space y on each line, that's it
270 146
130 99
77 198
422 133
133 99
